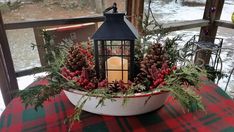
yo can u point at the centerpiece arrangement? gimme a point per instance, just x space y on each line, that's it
114 77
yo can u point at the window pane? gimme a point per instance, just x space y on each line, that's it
168 10
23 55
228 9
55 9
227 56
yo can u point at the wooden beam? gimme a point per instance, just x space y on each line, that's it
54 22
181 25
213 10
223 23
9 83
29 71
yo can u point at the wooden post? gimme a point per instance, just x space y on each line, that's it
129 9
4 82
8 82
40 45
135 10
212 12
139 14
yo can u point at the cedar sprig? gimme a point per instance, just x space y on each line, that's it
75 116
183 83
189 99
37 95
171 48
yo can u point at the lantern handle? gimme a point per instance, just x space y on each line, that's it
113 7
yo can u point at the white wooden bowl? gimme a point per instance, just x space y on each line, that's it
135 105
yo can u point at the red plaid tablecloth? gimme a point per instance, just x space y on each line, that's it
219 116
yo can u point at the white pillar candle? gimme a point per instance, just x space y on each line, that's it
115 63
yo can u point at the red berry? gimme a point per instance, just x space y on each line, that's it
129 82
75 79
163 71
151 87
81 80
77 83
65 75
164 83
77 72
93 85
159 75
156 83
72 74
64 69
160 80
174 68
86 81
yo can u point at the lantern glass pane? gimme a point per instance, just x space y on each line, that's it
114 60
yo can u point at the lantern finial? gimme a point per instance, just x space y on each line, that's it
113 8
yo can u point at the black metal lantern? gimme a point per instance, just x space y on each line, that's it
114 48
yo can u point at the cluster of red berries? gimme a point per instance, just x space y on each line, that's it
84 83
103 83
86 53
159 77
78 77
69 74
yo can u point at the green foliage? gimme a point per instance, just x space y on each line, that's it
186 97
4 7
36 95
213 74
171 49
151 29
139 53
75 116
54 51
187 54
183 83
8 6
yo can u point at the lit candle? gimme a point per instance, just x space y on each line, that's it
115 63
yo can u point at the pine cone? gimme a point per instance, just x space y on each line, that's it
156 56
75 59
140 78
115 87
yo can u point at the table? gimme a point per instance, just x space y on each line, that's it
219 116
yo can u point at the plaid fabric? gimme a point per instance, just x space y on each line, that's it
219 116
